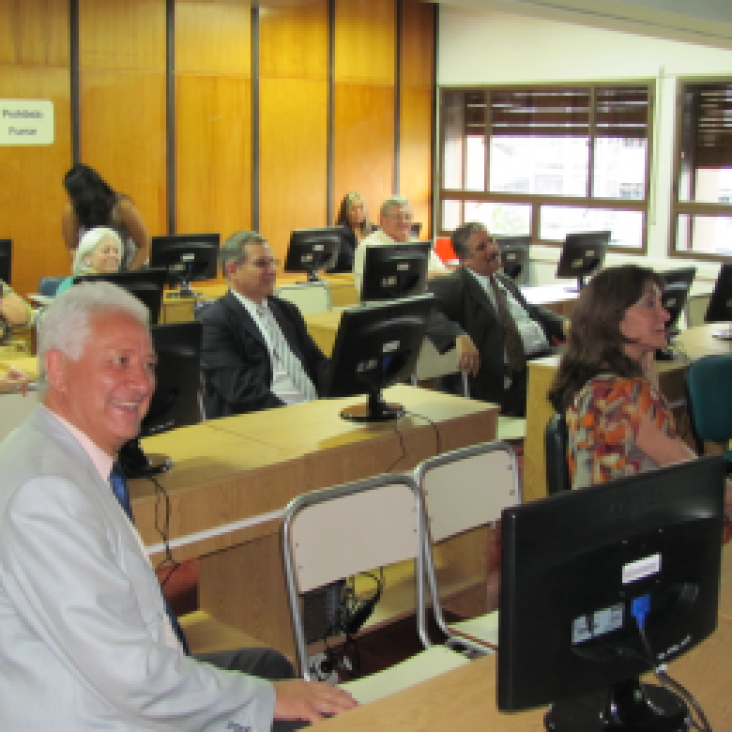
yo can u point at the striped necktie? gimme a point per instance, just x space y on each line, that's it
515 354
121 492
289 361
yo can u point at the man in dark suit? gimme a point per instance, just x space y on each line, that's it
257 352
490 322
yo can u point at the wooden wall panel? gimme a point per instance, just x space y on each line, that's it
34 57
293 123
122 49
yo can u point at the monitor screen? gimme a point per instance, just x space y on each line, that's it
515 257
145 284
677 284
582 254
376 346
395 270
187 258
579 566
314 250
719 309
6 247
176 401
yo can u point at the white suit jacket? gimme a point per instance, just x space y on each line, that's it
82 619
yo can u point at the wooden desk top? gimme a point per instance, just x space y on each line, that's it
465 699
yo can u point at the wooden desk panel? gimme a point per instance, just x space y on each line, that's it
725 597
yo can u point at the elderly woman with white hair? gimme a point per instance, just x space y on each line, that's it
99 252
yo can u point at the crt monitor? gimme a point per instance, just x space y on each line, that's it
314 250
145 284
515 257
583 570
676 286
582 255
719 309
187 257
176 401
395 270
376 346
6 247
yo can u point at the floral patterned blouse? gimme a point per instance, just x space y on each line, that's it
603 423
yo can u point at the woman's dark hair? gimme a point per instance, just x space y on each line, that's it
91 196
346 203
595 343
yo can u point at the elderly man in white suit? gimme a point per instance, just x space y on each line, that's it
85 641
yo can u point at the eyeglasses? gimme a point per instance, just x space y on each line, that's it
401 216
266 263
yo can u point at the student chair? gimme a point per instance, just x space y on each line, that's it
310 297
555 448
709 382
333 534
466 489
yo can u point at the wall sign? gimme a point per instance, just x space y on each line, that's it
26 122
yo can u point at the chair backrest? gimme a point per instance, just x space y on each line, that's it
432 364
310 297
555 448
709 381
47 286
338 532
467 488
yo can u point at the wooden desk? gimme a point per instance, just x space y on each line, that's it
695 342
233 476
465 699
556 297
323 328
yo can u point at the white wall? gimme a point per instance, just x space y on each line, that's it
492 47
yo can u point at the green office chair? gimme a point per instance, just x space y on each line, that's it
709 382
555 447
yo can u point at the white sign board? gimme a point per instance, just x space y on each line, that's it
26 122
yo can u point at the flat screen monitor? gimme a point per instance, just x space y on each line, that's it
145 284
582 255
578 567
176 401
376 346
314 250
6 250
719 309
395 270
676 287
187 258
515 257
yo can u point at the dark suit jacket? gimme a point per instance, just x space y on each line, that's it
236 366
466 308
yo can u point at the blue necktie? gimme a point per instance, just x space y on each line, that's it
119 487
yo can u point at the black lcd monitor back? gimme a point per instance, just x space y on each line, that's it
187 258
676 288
376 346
146 285
6 251
314 250
719 309
395 271
515 257
582 255
577 566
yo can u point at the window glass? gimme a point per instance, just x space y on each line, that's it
500 218
626 226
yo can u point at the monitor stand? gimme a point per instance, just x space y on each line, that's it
375 410
137 464
724 335
628 706
580 285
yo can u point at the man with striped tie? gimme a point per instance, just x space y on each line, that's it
257 352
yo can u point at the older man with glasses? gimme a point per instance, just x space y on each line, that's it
257 352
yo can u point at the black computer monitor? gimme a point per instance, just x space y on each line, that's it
187 257
578 566
314 250
176 402
6 252
582 254
719 309
145 284
395 270
515 257
676 287
376 346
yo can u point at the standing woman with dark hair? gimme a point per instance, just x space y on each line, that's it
618 421
92 202
353 217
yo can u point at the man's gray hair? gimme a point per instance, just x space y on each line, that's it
234 248
392 201
66 324
88 243
461 235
